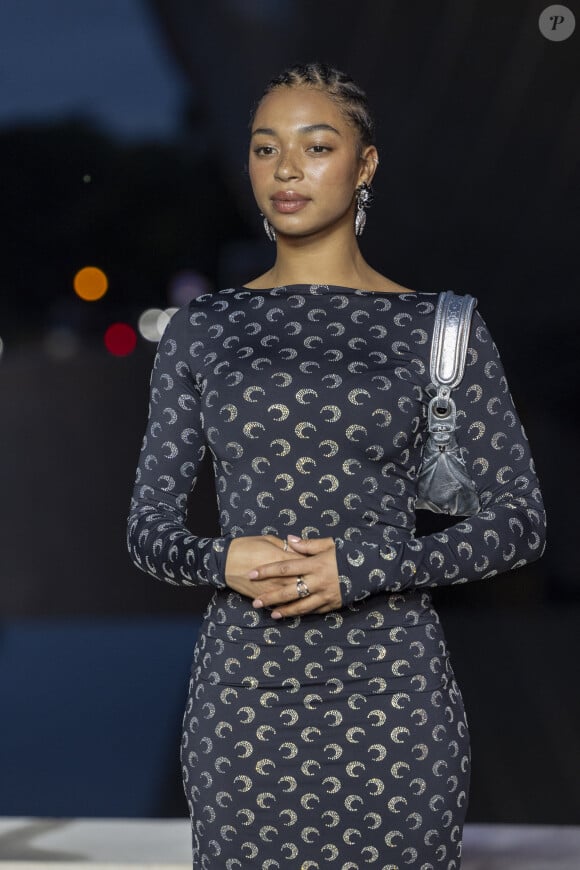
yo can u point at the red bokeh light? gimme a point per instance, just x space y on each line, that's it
120 339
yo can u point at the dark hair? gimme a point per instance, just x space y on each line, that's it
337 85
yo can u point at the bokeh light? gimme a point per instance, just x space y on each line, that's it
164 319
147 324
61 343
120 339
90 283
153 321
187 285
1 348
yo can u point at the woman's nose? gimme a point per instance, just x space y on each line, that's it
287 168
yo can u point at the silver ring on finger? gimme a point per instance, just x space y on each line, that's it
286 547
301 587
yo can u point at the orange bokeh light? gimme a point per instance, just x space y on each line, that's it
90 283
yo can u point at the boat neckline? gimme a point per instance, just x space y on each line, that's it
338 287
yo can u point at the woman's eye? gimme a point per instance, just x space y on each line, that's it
318 149
263 149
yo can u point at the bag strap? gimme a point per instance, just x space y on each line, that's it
449 344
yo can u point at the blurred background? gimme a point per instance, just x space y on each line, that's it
123 194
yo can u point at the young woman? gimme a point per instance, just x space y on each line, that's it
324 726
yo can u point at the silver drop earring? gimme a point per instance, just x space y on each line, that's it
269 229
363 197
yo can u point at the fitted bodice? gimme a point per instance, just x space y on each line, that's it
311 401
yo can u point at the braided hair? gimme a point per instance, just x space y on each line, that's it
337 85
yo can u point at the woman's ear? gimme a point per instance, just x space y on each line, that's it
369 162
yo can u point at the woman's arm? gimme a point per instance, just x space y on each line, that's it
510 529
173 448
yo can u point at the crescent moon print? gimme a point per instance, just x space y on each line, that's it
333 738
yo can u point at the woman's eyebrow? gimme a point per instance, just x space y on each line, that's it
310 128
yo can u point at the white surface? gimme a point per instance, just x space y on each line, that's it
521 847
124 844
72 843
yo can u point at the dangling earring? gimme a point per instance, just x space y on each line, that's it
363 198
269 229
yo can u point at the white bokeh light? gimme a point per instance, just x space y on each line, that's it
148 324
61 343
164 319
153 321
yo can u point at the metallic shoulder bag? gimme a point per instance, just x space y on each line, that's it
443 483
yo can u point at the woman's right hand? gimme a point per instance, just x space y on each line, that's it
245 554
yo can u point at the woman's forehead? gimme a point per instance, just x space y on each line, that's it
299 106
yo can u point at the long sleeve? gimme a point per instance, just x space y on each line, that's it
507 533
173 447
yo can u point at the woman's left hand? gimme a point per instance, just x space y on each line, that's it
319 570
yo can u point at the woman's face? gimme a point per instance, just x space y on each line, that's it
304 163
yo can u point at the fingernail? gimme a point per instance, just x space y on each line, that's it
276 614
257 603
252 575
294 538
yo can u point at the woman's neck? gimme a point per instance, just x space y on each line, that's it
305 260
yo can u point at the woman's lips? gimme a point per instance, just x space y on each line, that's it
289 206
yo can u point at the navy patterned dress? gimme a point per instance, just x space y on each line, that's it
336 740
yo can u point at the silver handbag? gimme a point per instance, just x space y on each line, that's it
443 484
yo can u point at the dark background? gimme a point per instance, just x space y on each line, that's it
123 140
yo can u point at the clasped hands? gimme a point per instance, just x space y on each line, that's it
260 568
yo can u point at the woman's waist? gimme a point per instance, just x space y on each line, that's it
231 614
416 662
382 645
